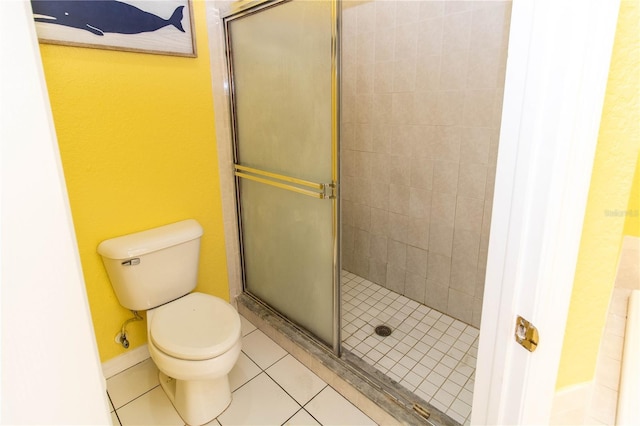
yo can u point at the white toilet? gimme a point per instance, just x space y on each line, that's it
193 338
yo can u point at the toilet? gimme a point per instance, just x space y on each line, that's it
193 338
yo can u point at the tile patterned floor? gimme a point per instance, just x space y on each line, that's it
428 352
269 387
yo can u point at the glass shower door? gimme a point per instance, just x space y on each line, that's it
282 59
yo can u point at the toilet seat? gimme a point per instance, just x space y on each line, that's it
197 326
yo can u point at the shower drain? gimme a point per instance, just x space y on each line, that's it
383 330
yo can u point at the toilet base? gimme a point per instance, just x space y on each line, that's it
197 401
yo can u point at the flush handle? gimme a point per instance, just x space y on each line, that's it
526 334
131 262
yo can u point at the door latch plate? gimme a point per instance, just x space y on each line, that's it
526 334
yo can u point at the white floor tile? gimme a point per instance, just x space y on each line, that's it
261 349
114 419
242 372
331 408
301 418
133 382
246 326
152 408
296 379
259 402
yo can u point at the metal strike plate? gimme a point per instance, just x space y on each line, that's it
526 334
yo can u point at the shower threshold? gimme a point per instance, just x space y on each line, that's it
378 396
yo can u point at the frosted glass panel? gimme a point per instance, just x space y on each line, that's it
282 82
281 66
287 249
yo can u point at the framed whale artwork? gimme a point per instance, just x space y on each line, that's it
148 26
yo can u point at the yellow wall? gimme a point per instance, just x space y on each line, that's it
609 196
137 140
632 221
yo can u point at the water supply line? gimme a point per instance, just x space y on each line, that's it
122 336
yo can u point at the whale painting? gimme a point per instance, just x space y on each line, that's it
159 26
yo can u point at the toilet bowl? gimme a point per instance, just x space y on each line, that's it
195 342
193 338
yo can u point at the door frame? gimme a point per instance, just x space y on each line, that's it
547 145
557 69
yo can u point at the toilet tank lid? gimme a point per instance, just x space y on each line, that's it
140 243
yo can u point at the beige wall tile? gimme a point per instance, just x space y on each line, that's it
443 209
478 108
490 26
363 137
384 45
379 222
397 227
415 287
395 279
453 70
431 9
361 216
439 269
399 170
404 75
397 254
407 12
469 212
366 17
440 239
406 38
399 199
457 31
417 261
474 144
378 248
381 138
379 194
383 77
385 16
457 6
471 180
419 203
364 108
366 47
427 76
460 305
437 296
418 232
421 173
421 109
362 241
445 177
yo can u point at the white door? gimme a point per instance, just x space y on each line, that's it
557 68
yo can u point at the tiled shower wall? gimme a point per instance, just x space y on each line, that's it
422 87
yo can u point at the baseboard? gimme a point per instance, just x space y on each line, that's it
122 362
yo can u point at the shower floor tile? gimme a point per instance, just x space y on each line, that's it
428 352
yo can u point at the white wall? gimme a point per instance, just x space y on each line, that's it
50 366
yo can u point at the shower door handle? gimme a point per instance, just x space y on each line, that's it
318 190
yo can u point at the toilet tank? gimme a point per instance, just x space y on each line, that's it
153 267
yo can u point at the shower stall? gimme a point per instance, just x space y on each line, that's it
365 140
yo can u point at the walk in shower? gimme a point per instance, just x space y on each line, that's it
422 88
386 221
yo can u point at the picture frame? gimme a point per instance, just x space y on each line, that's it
163 27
